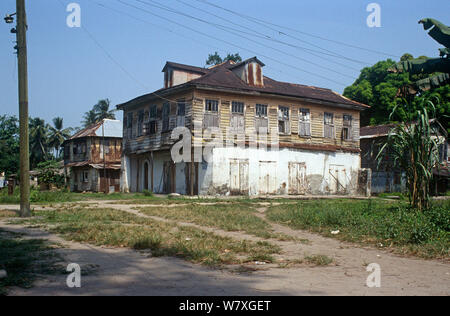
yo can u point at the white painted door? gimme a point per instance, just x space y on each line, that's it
267 177
239 177
297 178
337 179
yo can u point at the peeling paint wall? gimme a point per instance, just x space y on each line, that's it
268 172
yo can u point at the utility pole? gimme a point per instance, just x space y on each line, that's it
23 109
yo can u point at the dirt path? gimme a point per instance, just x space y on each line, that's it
128 272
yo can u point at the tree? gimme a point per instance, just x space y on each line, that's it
233 57
99 112
215 59
39 145
102 110
380 89
49 174
57 135
415 151
89 118
9 144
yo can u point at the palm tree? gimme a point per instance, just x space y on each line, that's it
89 118
38 141
99 112
58 135
102 110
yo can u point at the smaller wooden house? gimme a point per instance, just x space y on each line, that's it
386 177
92 158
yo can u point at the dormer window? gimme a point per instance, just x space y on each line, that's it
250 71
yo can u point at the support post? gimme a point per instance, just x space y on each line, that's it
23 109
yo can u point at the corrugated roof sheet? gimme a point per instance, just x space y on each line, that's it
376 131
112 128
221 76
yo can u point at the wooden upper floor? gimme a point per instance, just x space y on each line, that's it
97 144
237 103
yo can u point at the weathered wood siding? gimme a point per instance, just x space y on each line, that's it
316 112
161 139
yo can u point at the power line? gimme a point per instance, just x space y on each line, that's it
117 63
179 34
270 38
265 23
230 43
224 28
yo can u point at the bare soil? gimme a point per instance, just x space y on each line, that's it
127 272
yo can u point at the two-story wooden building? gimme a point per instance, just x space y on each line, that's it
92 158
277 138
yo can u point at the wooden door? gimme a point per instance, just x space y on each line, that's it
297 178
146 175
337 179
267 177
169 177
239 177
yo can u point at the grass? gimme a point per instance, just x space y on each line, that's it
61 196
25 260
107 227
230 217
7 214
319 260
375 222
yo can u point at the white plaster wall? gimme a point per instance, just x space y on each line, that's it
216 178
126 174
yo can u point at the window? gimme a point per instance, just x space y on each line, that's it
283 120
237 107
304 123
261 110
329 125
237 122
181 113
212 106
165 117
443 152
140 123
347 127
85 175
152 127
153 112
130 125
67 152
211 117
261 121
106 144
129 120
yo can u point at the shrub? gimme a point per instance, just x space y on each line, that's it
147 193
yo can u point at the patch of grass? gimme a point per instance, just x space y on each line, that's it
319 260
107 227
25 260
61 196
7 214
375 222
229 217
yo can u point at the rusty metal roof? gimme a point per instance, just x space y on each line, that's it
109 165
112 128
376 131
186 67
222 77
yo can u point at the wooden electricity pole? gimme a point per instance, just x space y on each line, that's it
23 109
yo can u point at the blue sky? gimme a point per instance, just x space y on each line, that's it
68 72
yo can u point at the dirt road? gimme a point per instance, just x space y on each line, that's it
128 272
